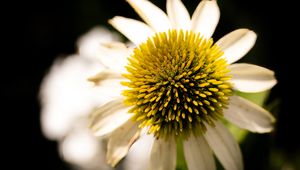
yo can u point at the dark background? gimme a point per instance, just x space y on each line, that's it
39 31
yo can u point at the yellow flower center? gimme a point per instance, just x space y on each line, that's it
178 83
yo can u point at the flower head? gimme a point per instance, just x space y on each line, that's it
179 85
177 82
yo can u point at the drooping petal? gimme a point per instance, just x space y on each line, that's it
120 141
151 14
134 30
178 14
248 115
251 78
198 154
109 117
163 155
206 17
236 44
224 146
139 154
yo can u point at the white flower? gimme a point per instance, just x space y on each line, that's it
67 98
179 86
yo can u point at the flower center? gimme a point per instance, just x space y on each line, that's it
178 84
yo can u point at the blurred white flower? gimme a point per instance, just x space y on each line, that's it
67 98
66 95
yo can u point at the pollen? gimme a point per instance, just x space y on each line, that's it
178 83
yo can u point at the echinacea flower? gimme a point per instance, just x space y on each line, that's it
180 84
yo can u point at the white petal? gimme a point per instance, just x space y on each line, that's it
248 115
163 155
151 14
105 74
107 90
109 117
236 44
198 154
113 55
120 141
224 146
107 85
89 42
139 154
251 78
206 17
178 14
134 30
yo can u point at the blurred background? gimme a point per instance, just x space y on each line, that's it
50 29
